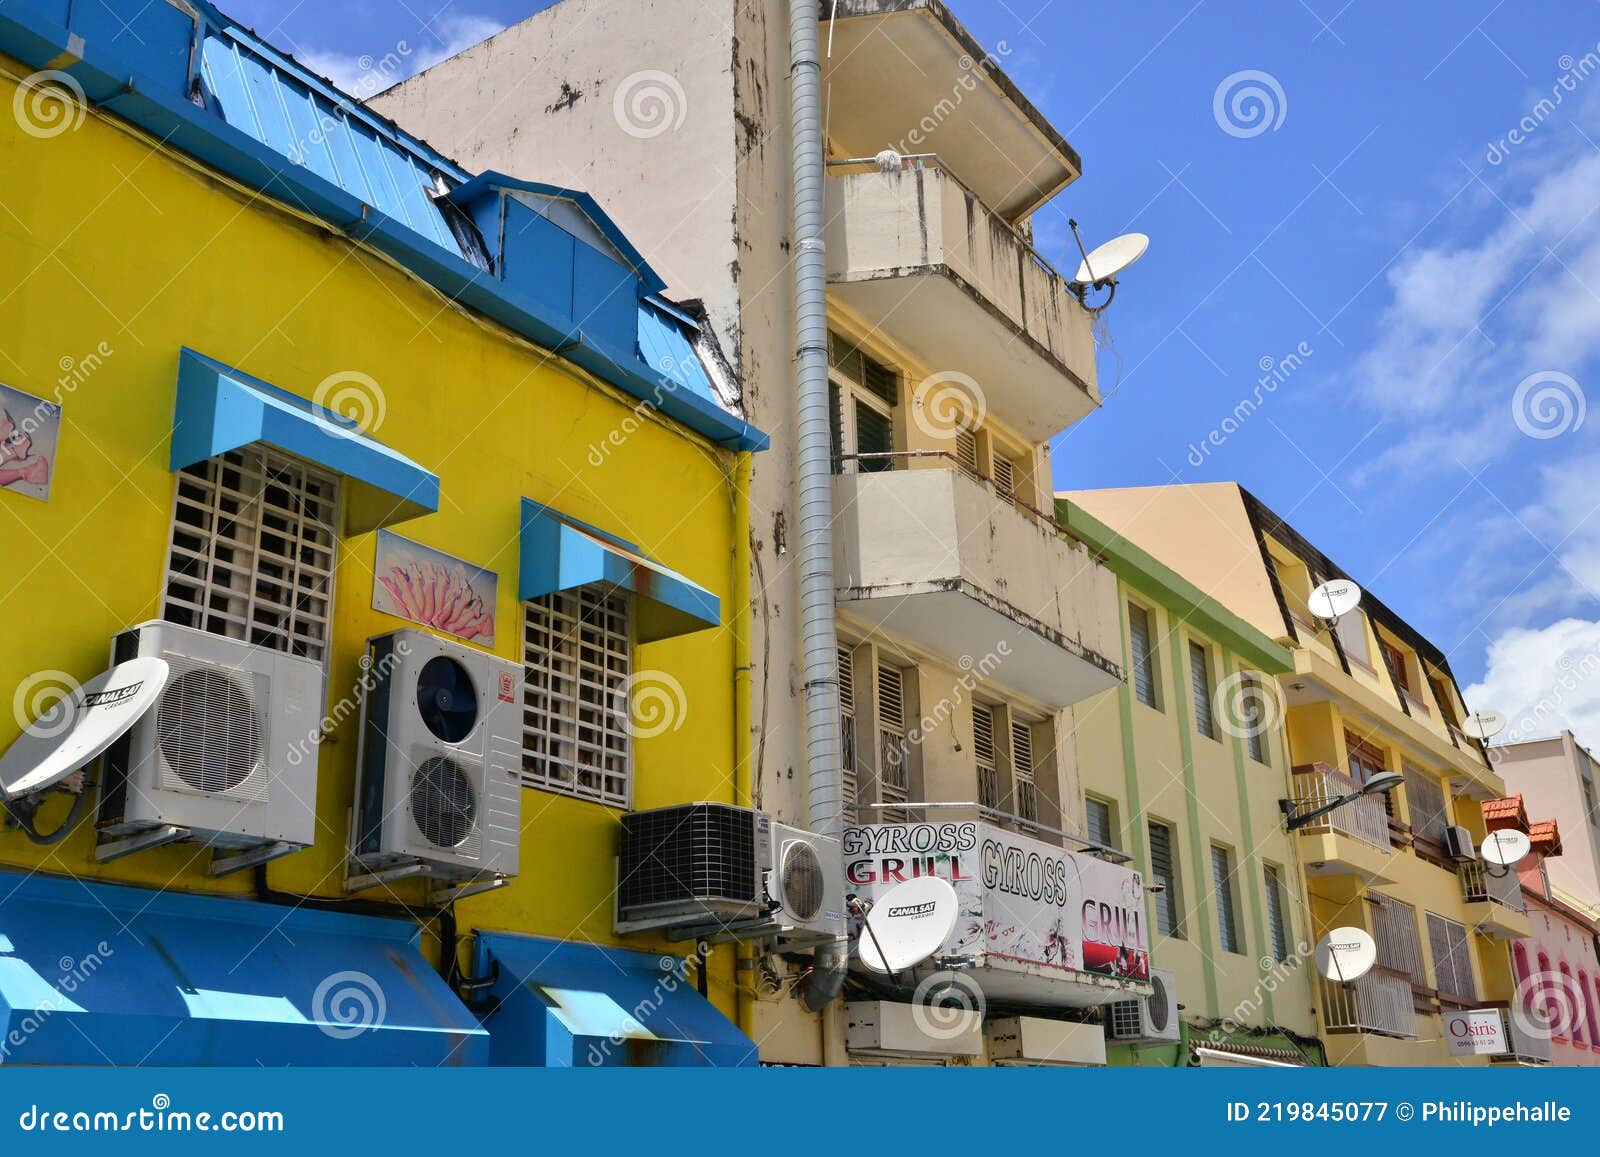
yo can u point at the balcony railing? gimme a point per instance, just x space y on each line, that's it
1378 1002
1479 886
1363 818
1528 1046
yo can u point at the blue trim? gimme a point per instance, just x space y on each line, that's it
152 93
561 1004
100 974
220 408
560 553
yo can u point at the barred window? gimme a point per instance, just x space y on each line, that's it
1227 905
1277 914
254 535
983 753
577 655
894 746
1394 929
1426 803
847 729
1452 959
1026 792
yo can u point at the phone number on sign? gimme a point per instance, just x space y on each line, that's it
1307 1110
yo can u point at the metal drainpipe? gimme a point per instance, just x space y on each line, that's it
813 452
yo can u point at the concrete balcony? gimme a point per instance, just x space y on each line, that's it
939 559
1379 1002
1494 903
1351 840
906 75
919 257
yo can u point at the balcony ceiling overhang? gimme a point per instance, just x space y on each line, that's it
951 325
905 75
1010 650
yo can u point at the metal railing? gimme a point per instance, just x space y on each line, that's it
1528 1045
1379 1002
906 460
1363 818
1479 885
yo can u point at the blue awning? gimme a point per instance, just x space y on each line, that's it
220 409
99 974
560 553
562 1004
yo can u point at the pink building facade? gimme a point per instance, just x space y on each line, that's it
1558 967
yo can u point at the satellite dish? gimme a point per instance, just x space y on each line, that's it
908 924
78 728
1484 725
1333 600
1346 954
1505 847
1102 266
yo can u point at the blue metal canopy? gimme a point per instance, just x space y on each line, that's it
98 974
562 1004
220 409
559 553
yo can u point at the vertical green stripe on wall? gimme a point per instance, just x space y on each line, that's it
1183 712
1247 861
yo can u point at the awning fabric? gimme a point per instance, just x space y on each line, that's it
98 974
220 409
560 553
1230 1054
562 1004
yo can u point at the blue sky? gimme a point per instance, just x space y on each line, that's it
1363 205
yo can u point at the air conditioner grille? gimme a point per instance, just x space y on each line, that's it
208 732
802 881
1125 1021
1156 1005
698 851
443 803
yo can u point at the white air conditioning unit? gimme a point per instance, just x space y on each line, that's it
719 872
891 1029
1458 844
226 757
1149 1019
1038 1042
438 793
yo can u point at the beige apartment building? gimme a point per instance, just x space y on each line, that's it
1558 777
968 621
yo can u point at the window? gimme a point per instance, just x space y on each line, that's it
1027 796
252 551
1145 676
894 748
967 451
1164 873
1253 702
1426 802
577 654
1227 907
1102 829
1005 476
1394 930
1352 632
1277 914
1200 684
1395 659
1452 959
1589 808
1366 760
847 729
984 753
862 394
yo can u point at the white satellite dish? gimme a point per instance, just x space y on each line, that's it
1505 847
80 727
908 924
1333 600
1102 266
1484 725
1346 954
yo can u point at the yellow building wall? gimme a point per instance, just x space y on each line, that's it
120 252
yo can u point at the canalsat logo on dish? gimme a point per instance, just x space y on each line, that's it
913 911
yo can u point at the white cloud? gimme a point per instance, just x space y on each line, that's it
1544 680
364 75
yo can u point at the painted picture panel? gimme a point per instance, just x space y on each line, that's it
30 429
434 589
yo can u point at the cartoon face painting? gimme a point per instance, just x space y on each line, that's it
19 464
